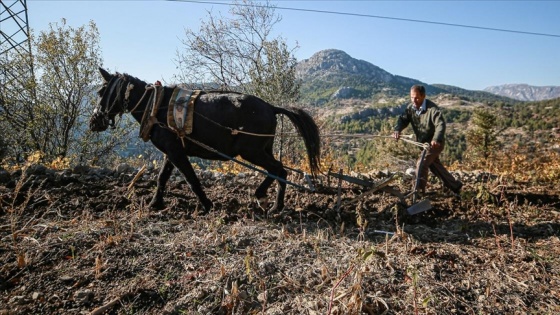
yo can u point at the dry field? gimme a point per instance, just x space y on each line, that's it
82 241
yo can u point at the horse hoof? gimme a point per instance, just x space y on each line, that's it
263 203
155 205
276 209
207 205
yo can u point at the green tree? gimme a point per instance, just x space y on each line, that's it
48 111
68 59
483 138
16 106
274 76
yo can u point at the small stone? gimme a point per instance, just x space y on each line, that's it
243 295
66 278
17 300
83 296
53 298
123 168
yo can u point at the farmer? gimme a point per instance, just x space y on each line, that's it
429 127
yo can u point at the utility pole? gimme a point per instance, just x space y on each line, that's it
14 40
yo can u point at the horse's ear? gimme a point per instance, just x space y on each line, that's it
106 75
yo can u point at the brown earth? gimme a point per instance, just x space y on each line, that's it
82 241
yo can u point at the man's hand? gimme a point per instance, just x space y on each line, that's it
396 135
435 144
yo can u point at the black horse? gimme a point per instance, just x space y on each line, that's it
225 124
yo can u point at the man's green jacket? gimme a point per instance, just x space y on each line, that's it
428 126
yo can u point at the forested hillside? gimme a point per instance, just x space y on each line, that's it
516 123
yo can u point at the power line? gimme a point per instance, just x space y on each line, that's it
378 17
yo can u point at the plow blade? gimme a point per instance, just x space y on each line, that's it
419 207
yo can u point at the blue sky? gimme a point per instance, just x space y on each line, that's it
142 37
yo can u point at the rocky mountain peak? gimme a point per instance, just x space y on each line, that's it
334 62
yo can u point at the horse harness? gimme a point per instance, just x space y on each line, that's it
179 111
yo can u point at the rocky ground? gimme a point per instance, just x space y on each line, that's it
82 241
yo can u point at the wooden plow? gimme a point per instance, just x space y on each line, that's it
415 206
382 185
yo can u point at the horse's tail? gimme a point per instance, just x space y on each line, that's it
307 129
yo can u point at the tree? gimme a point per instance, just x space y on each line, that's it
48 111
483 138
67 58
3 150
237 53
16 114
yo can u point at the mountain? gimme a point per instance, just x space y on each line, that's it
475 96
525 92
331 63
352 96
334 75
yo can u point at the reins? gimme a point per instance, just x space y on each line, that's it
148 87
403 138
108 107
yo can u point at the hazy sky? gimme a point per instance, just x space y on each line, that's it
141 37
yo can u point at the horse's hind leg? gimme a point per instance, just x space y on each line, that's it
280 194
260 193
163 177
274 167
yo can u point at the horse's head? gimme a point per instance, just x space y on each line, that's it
113 100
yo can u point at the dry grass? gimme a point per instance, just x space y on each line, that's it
93 247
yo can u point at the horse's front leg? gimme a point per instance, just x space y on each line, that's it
163 177
184 165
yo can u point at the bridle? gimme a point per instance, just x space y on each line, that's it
105 112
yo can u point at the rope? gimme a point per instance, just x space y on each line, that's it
235 131
148 87
209 148
419 144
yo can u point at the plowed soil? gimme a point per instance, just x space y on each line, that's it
83 241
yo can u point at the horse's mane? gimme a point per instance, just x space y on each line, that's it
223 92
129 77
